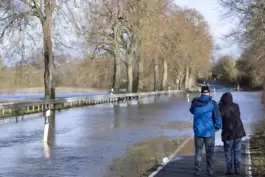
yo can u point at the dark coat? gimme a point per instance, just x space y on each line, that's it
232 124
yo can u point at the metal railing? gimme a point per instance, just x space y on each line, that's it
41 105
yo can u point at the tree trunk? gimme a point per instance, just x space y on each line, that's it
181 80
130 75
263 93
187 77
131 54
116 74
140 75
1 63
117 62
191 79
48 53
164 81
156 72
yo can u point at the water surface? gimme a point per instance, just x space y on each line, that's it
86 141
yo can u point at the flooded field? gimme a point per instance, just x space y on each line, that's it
109 140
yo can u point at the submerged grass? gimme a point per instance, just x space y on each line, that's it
14 101
257 143
177 125
141 159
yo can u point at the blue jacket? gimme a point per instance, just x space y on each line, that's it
207 117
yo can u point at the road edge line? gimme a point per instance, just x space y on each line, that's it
171 156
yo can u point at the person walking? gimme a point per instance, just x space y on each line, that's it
206 121
232 132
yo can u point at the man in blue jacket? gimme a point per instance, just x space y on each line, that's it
207 120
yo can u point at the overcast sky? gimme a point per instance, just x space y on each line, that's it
213 14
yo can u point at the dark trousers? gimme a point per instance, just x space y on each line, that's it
209 143
232 150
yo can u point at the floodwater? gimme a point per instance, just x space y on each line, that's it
100 140
33 96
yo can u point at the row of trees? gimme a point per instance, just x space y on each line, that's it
147 45
139 33
225 70
243 71
250 15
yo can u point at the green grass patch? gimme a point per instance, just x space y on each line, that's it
257 143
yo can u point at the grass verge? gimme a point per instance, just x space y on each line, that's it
143 158
257 143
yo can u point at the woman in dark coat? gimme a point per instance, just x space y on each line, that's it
232 132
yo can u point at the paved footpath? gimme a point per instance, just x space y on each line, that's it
183 163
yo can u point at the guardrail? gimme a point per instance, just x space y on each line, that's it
29 107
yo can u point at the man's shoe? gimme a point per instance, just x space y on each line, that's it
229 173
197 174
237 171
211 173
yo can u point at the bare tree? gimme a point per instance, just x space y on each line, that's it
188 51
250 32
105 33
151 35
23 17
133 11
18 13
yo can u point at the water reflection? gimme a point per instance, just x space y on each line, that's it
85 143
51 137
156 98
47 150
116 110
140 101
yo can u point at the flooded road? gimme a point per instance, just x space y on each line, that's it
93 141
